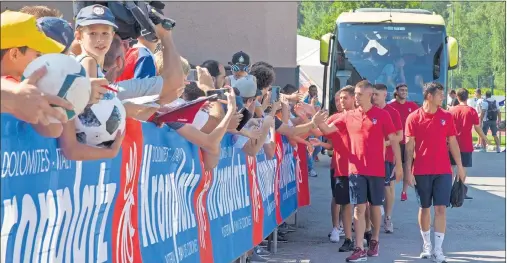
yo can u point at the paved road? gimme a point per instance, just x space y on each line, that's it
475 232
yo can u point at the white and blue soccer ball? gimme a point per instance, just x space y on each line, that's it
65 78
99 123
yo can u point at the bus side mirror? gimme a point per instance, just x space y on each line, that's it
453 50
324 48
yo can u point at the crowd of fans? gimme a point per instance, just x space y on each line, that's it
139 68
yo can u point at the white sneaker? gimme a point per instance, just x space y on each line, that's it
335 236
426 253
388 225
341 231
438 257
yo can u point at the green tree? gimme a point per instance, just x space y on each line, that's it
318 18
479 28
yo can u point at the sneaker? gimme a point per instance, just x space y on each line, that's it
357 256
426 253
335 236
286 228
388 225
261 251
498 150
367 238
282 239
254 258
438 257
373 249
313 173
341 231
404 196
347 246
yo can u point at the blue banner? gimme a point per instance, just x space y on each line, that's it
152 203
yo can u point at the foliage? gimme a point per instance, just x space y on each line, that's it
479 28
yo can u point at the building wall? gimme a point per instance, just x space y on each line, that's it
215 30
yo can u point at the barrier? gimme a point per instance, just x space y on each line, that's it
152 203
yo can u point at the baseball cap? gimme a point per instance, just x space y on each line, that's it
247 86
95 15
57 29
20 29
241 58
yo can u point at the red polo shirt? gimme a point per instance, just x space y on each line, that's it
367 131
404 110
430 132
340 143
465 117
395 117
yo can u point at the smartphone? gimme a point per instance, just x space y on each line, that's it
275 94
246 117
192 75
219 92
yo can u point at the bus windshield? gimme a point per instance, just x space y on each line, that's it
391 54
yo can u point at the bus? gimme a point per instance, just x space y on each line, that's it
388 46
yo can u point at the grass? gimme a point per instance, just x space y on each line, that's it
501 136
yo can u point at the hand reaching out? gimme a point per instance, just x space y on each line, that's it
26 102
315 142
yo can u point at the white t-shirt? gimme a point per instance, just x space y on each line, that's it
201 118
484 106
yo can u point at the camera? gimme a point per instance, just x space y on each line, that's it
134 18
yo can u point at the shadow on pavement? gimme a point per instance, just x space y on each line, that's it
475 231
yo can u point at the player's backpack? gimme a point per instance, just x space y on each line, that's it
458 193
492 113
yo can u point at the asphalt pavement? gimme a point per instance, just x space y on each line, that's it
475 231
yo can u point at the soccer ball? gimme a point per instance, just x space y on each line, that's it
65 78
99 123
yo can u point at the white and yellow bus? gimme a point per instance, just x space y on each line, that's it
388 46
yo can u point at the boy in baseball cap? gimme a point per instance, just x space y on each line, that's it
22 42
95 28
240 65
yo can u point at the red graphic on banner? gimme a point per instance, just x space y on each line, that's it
279 157
256 200
126 244
203 224
302 175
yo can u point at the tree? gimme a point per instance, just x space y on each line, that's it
479 28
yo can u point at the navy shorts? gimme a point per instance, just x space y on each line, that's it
466 159
333 181
489 125
433 190
365 189
389 173
341 190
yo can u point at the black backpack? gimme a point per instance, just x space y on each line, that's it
492 113
458 193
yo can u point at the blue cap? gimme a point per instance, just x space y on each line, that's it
95 15
57 29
